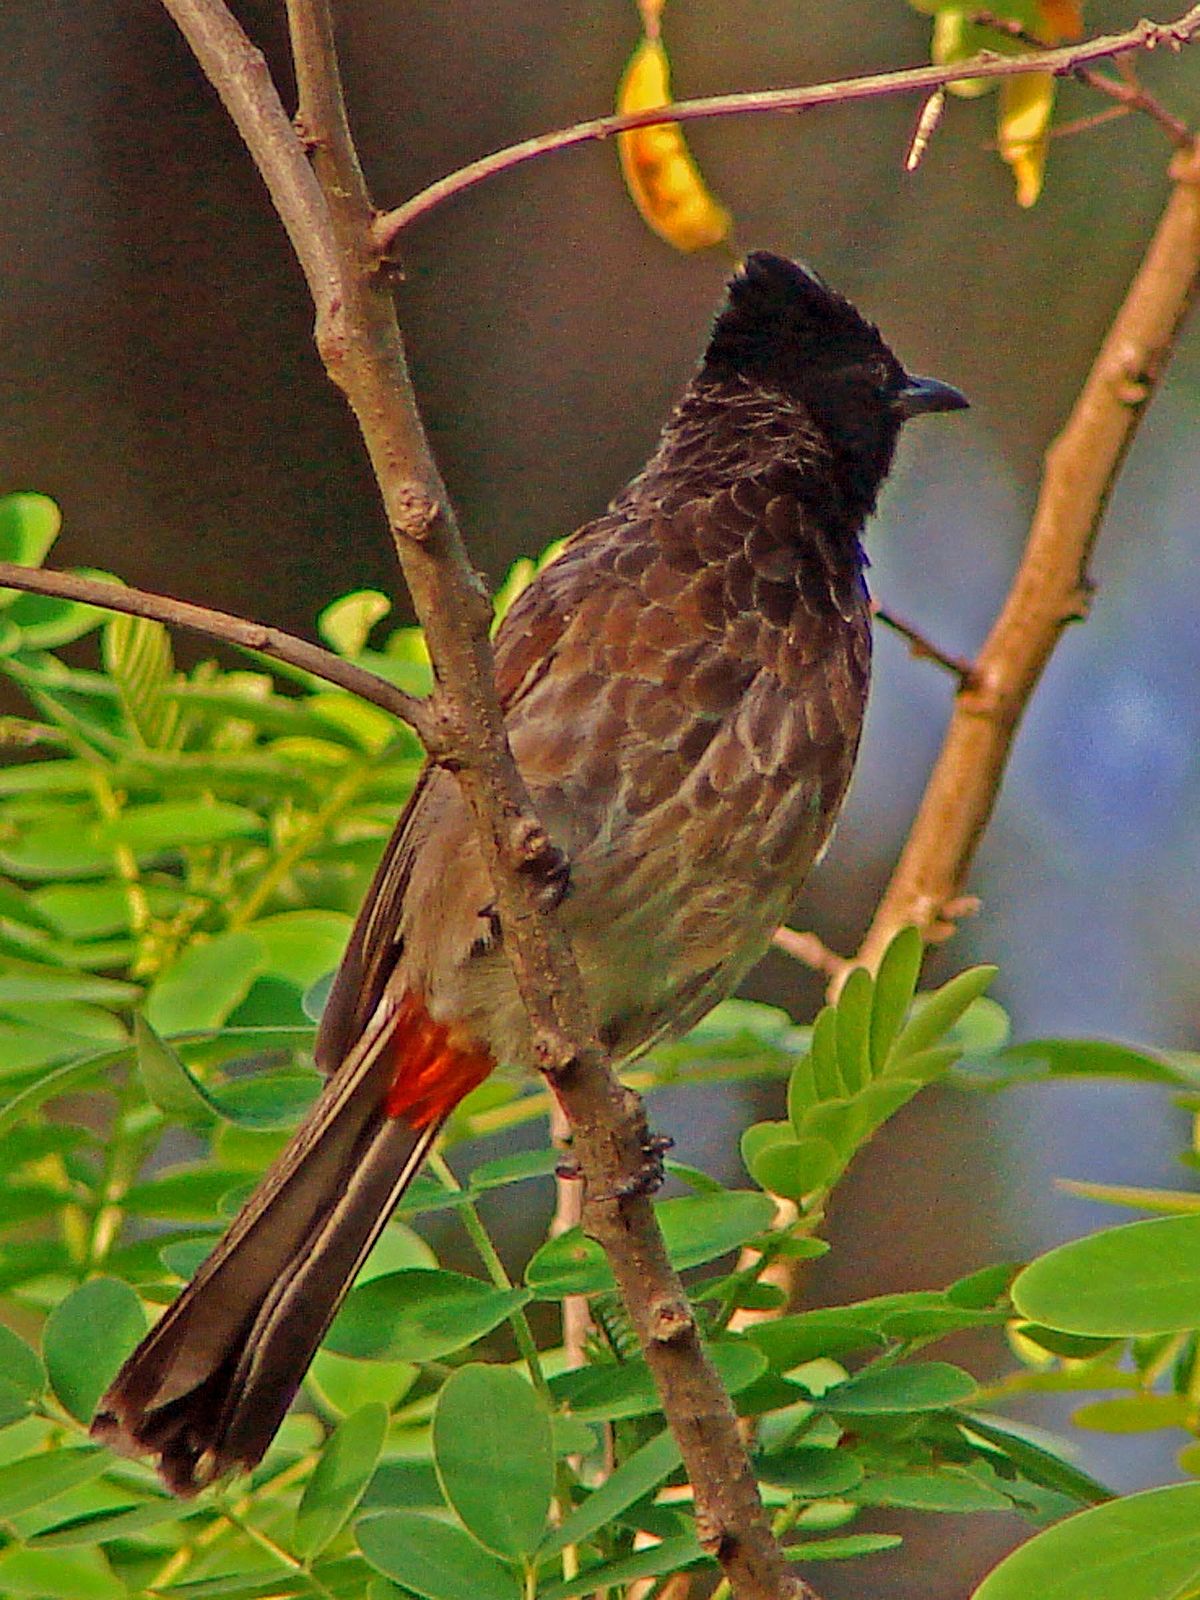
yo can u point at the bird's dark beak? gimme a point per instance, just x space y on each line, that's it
928 394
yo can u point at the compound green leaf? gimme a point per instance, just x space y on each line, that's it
913 1386
86 1338
433 1559
419 1315
1139 1279
895 985
494 1454
637 1475
697 1228
339 1479
32 1481
1142 1547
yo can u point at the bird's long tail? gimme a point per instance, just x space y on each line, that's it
207 1388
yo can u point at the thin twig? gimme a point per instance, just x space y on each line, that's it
568 1214
359 341
1076 125
812 951
224 628
1051 587
1127 93
923 648
914 80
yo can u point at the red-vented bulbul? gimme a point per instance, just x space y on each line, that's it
684 688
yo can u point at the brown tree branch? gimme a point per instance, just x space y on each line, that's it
924 648
1051 587
1126 91
1065 60
359 341
226 629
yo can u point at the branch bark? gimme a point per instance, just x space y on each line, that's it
1051 588
914 80
238 631
359 340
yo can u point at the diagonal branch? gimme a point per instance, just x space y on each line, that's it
1051 588
1064 60
227 629
360 343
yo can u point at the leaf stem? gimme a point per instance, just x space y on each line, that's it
496 1271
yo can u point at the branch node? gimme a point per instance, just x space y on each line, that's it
535 853
308 139
811 949
945 925
1078 605
415 513
670 1321
554 1056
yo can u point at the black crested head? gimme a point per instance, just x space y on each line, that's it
782 322
783 330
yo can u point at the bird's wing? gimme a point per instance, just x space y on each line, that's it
525 649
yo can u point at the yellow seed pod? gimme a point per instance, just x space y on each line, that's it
1024 130
663 180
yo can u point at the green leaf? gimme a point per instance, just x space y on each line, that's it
433 1559
97 1527
419 1315
824 1060
29 525
190 1193
895 985
345 624
1087 1058
854 1030
809 1472
697 1228
636 1477
169 1084
939 1489
55 847
1164 1202
915 1386
47 623
672 1555
175 824
605 1394
34 1480
206 984
1036 1463
262 1100
796 1168
65 1574
139 662
343 1385
1141 1547
850 1547
1135 1413
936 1015
20 1366
1138 1279
789 1342
29 982
302 946
86 1338
339 1479
516 1168
494 1454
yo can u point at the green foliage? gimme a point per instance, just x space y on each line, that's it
181 856
864 1062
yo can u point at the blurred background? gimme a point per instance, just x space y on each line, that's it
158 379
